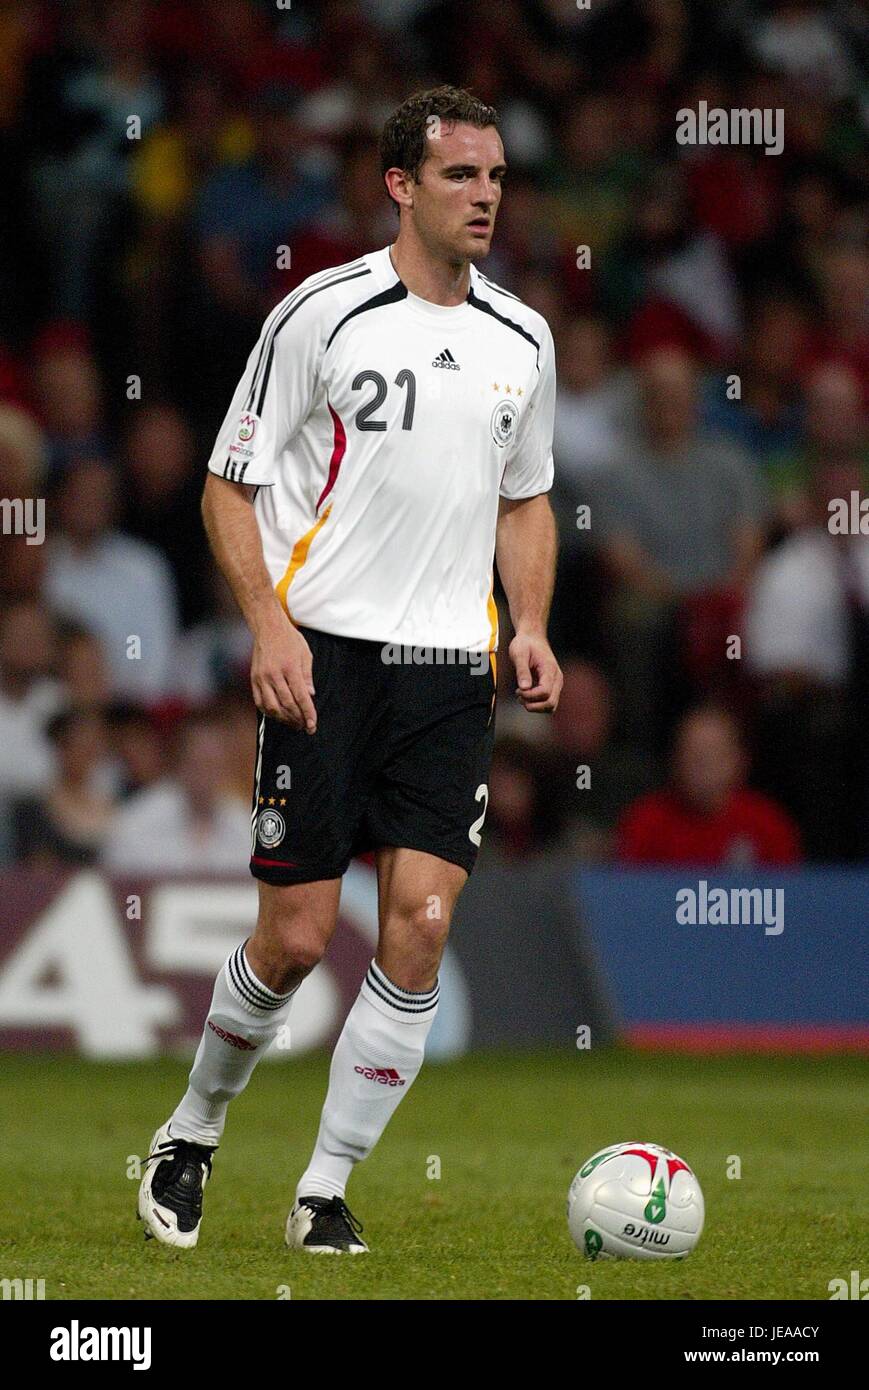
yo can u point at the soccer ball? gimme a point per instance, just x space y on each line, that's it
637 1202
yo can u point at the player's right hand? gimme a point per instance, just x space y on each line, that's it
281 675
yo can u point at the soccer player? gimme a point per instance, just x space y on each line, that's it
391 435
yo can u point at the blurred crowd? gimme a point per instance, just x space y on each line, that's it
171 170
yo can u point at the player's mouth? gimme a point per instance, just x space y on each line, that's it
482 226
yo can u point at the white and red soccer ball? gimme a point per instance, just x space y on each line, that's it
635 1201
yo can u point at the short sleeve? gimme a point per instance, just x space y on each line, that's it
275 394
529 469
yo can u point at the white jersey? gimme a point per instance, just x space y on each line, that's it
381 430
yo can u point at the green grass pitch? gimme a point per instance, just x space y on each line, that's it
509 1131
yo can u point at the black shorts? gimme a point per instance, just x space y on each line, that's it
400 757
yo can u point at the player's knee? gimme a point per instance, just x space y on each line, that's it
289 946
293 929
296 946
303 950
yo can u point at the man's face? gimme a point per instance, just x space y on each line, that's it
456 199
668 391
26 643
709 762
87 501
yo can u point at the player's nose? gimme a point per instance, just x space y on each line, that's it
485 193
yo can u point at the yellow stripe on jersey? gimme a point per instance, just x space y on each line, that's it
492 611
297 559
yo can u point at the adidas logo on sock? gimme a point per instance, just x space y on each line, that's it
232 1038
387 1076
446 359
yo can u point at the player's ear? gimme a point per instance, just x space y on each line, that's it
399 186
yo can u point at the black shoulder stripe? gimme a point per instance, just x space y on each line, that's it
318 289
499 288
391 296
486 308
324 278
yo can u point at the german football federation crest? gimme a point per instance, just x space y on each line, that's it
270 828
504 418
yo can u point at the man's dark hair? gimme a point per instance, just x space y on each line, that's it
403 141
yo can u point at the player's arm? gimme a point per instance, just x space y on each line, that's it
281 667
271 401
525 549
525 541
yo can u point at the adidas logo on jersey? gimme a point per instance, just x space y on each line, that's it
446 359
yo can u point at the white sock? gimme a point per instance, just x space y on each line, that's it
376 1060
243 1019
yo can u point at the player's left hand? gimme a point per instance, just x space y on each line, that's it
538 674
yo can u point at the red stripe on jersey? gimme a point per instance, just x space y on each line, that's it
338 450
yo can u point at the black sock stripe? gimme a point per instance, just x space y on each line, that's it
268 1000
413 1003
240 986
402 1008
247 988
270 997
384 980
